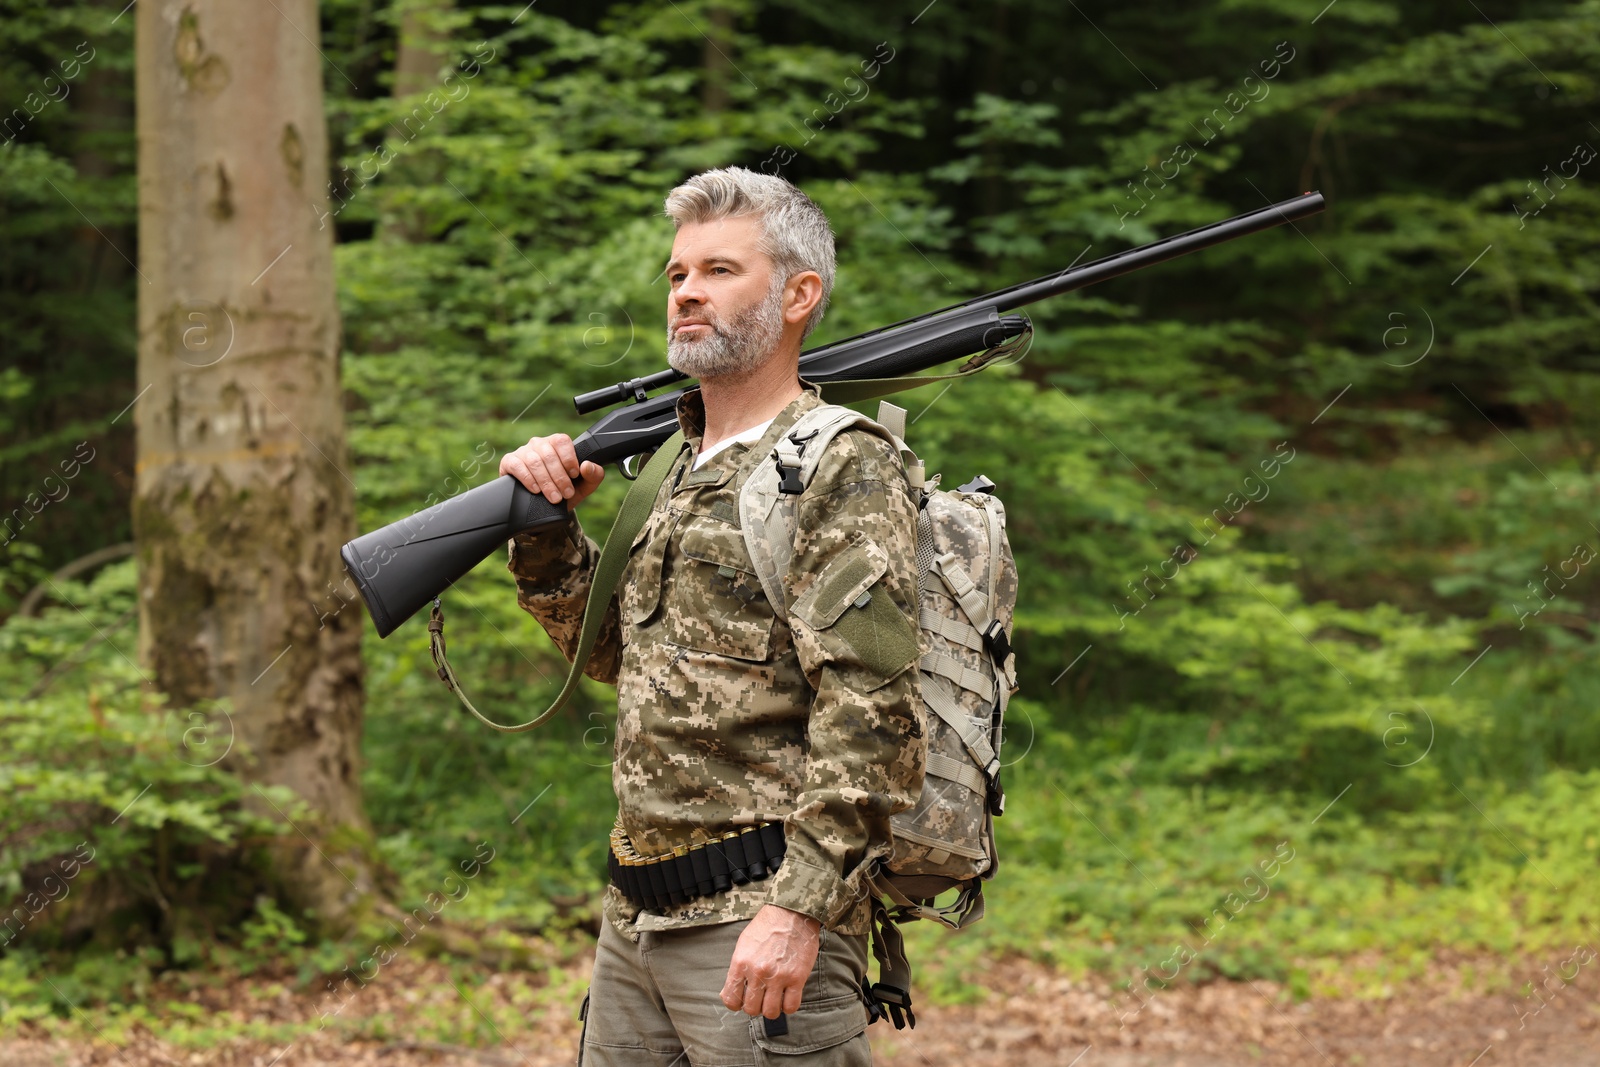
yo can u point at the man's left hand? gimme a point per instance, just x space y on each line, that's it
771 962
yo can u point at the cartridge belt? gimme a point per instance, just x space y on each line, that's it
689 872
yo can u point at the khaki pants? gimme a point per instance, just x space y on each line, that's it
657 1003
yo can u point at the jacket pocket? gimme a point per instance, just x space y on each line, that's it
716 603
641 581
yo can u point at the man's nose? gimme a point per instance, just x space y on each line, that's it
689 291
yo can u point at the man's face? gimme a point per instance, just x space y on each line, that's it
724 307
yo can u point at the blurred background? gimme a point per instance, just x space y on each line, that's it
1306 523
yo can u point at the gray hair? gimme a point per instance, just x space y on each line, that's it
794 232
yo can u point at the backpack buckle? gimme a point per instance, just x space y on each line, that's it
980 484
888 1001
789 483
787 455
999 645
996 801
874 1009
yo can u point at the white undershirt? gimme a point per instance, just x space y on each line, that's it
744 437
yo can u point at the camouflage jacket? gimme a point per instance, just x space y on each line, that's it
729 715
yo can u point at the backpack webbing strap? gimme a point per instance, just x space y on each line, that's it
892 418
952 630
631 517
959 673
972 600
959 771
890 996
1007 675
944 705
965 909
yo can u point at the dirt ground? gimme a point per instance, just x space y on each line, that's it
1034 1018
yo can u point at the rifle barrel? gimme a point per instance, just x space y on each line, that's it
1123 262
1156 252
1132 259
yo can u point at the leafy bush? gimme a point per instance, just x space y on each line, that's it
120 825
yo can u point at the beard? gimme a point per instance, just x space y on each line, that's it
736 347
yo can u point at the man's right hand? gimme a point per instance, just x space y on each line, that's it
549 465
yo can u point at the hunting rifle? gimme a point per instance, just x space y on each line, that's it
404 565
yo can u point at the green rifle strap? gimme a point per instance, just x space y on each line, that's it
631 517
848 392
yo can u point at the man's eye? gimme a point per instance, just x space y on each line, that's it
715 270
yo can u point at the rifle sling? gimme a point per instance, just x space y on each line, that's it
631 517
855 389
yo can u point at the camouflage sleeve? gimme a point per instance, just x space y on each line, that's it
554 569
853 611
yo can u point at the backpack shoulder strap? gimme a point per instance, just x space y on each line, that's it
770 492
893 419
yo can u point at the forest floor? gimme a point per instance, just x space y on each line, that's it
1032 1018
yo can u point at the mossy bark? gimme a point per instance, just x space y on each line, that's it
243 494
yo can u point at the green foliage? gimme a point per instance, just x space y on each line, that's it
123 841
270 928
67 223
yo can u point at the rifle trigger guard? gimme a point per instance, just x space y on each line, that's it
630 466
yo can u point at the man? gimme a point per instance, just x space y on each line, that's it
732 715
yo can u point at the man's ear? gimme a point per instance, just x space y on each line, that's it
801 294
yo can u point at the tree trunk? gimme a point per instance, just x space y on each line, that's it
422 50
242 499
423 47
717 61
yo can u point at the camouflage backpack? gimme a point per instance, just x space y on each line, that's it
967 583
